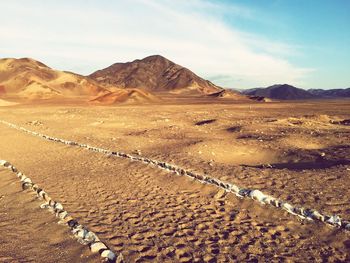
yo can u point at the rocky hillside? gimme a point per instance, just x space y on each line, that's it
155 74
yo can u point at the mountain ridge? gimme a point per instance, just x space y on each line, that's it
331 93
29 79
289 92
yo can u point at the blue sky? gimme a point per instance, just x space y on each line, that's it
238 44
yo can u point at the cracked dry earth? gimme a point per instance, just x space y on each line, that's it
291 151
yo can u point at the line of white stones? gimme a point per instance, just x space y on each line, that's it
304 213
83 235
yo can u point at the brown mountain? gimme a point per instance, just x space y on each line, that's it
27 78
155 74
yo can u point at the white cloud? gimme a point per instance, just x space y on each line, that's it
85 36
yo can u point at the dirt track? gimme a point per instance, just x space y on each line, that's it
149 214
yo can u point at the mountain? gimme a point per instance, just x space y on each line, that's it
331 93
27 78
280 92
155 74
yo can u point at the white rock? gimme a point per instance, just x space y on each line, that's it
288 207
58 206
108 255
4 163
82 233
76 229
44 206
268 199
62 214
23 177
41 194
96 247
317 215
258 195
234 188
334 220
27 180
91 237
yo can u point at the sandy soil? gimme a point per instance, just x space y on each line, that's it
29 234
289 150
6 103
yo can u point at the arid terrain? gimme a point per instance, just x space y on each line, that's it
198 131
296 151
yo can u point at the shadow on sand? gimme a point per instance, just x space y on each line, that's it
303 165
311 159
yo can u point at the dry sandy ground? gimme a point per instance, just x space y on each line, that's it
24 227
288 150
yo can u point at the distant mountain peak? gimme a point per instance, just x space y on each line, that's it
280 92
282 86
331 93
156 58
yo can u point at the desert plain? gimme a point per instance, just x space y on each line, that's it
297 151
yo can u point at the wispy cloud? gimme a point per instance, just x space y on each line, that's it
87 35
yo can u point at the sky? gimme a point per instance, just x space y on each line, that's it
235 44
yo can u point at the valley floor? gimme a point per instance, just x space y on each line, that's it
298 152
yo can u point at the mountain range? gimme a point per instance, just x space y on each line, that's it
331 93
288 92
137 81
